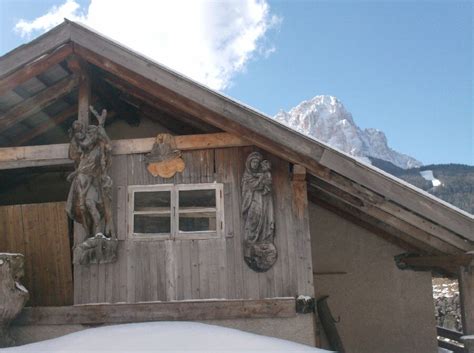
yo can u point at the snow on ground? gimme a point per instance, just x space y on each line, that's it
428 175
162 337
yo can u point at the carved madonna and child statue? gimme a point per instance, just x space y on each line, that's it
260 252
90 197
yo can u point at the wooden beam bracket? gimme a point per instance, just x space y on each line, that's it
442 264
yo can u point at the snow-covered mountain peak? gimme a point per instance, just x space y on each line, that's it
325 118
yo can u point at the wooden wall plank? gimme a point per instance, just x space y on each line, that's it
170 255
40 233
187 266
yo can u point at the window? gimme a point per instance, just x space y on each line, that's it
185 211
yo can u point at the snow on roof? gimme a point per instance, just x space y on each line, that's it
163 337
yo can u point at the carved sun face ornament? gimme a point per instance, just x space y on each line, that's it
164 160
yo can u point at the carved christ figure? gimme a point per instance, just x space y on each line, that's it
258 214
90 195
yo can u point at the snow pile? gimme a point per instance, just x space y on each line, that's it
428 175
326 119
163 337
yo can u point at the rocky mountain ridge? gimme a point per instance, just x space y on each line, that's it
326 119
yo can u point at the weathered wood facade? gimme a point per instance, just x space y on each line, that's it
151 270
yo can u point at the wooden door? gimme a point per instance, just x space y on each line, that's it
40 233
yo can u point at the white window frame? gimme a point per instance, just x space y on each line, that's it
175 233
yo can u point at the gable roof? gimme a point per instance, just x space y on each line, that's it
335 179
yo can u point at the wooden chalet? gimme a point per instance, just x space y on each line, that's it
339 228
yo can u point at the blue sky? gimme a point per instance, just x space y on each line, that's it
404 67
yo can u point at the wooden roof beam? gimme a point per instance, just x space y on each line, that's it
369 209
34 68
28 156
370 198
36 103
46 126
54 121
112 100
27 53
449 264
373 225
142 95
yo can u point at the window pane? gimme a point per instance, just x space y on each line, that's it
197 198
152 223
197 221
152 201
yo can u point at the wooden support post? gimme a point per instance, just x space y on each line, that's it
466 289
80 67
84 98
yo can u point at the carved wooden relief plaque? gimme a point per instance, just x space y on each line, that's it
164 160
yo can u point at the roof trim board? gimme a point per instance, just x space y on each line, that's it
38 47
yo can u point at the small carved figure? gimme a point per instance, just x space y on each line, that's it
13 295
164 160
90 196
260 252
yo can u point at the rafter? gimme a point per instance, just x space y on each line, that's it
36 103
35 68
144 96
52 122
112 99
377 227
388 209
447 263
365 207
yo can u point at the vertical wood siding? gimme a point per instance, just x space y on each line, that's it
202 269
40 233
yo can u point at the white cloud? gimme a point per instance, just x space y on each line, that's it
54 17
209 41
